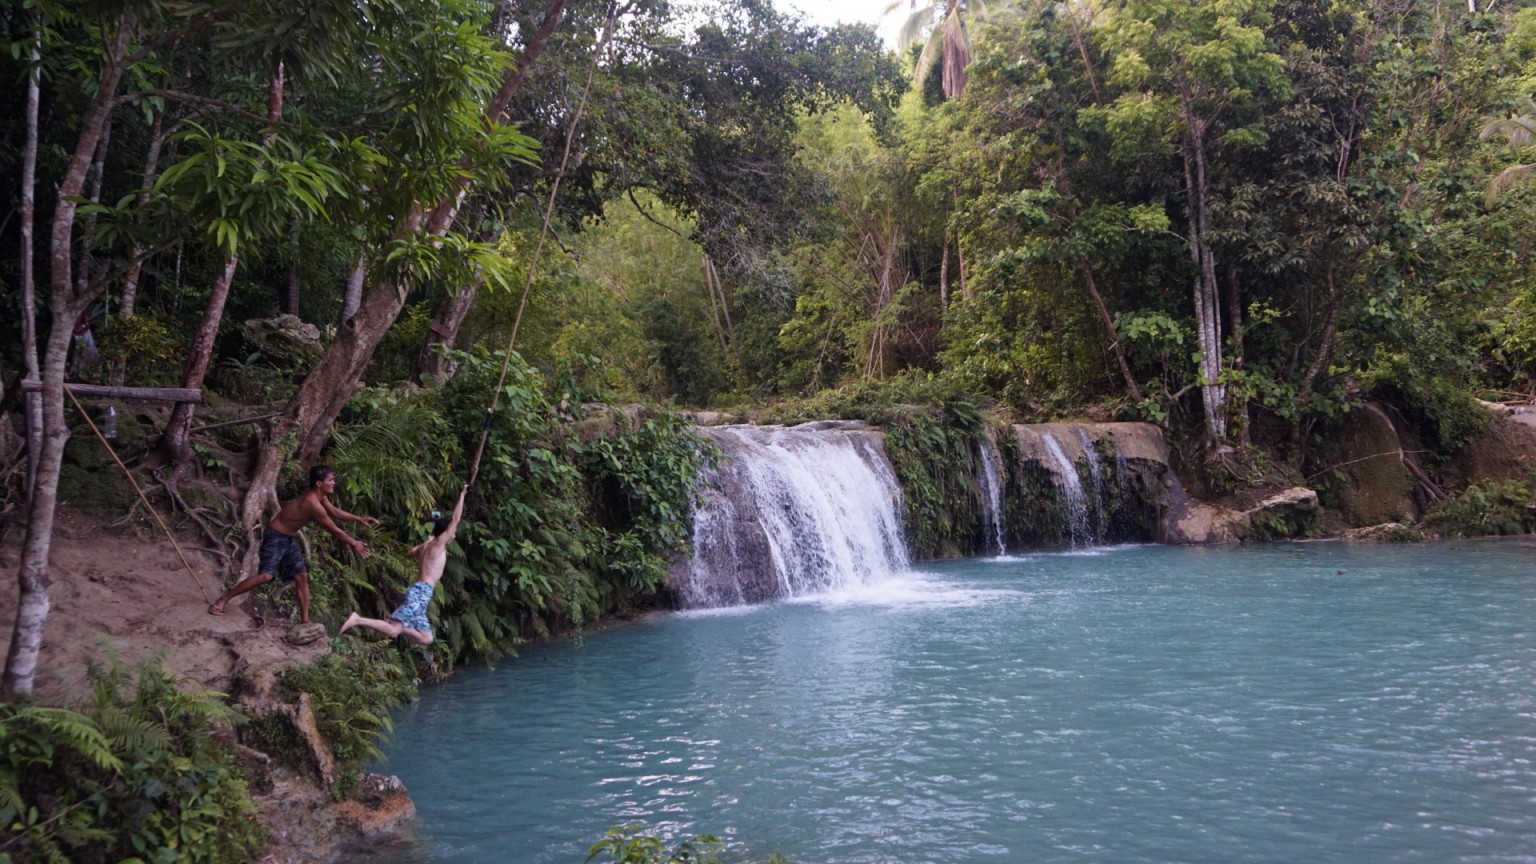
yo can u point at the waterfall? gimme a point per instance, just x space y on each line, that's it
1079 530
992 488
791 512
1096 475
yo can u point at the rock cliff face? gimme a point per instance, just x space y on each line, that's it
1086 483
1507 448
1361 471
293 796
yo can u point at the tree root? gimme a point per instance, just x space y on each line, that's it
222 545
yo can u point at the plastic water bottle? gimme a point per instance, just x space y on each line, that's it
109 424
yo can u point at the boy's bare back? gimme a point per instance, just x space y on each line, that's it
433 552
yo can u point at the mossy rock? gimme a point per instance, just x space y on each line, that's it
1358 467
90 479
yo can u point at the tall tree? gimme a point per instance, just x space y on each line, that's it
68 300
465 140
944 32
1190 71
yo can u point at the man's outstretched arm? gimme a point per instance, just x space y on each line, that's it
319 514
458 513
338 513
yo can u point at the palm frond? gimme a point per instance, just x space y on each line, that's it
1519 128
1519 131
957 53
1514 175
916 28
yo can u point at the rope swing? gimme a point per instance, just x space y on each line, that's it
570 136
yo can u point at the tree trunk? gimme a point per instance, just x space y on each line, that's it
313 408
1325 341
431 365
1109 326
1207 302
32 602
352 294
130 296
175 445
292 284
1237 408
454 309
714 306
32 403
97 175
944 274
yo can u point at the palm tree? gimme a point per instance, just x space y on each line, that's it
947 40
1519 130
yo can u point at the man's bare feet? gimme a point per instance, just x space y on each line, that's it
216 608
348 624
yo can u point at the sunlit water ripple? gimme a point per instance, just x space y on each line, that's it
1301 702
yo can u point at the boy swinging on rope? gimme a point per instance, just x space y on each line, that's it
411 618
279 547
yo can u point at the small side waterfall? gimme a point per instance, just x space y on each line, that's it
1065 490
1079 526
992 488
791 512
1095 468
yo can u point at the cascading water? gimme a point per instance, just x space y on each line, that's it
1079 527
1096 476
992 488
791 512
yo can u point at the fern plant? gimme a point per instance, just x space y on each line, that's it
135 776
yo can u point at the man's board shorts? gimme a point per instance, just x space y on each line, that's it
413 612
280 555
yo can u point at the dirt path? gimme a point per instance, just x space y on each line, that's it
114 592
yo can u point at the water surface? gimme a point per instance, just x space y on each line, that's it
1292 702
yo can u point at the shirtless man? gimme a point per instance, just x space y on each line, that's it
280 549
411 618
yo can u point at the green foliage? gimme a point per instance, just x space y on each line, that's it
394 452
643 482
1500 506
144 348
577 512
135 777
629 845
1442 416
352 691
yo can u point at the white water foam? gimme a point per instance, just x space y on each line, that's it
794 512
913 589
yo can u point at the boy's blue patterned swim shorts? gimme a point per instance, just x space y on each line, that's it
413 612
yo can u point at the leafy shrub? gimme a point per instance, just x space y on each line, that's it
1486 507
576 511
144 348
1441 415
628 845
135 779
643 481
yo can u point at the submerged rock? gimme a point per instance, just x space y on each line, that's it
1387 532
